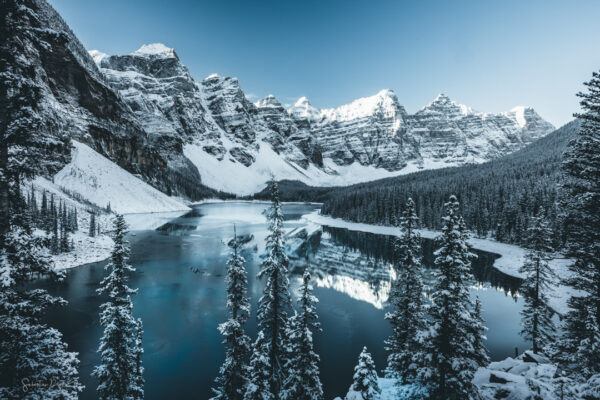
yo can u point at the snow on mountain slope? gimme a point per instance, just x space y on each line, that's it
384 103
102 182
233 177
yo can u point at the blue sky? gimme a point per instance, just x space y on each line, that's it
490 55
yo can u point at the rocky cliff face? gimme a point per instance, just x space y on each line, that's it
445 130
377 131
77 102
145 112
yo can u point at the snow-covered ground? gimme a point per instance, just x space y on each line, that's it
511 256
528 376
87 250
102 182
93 249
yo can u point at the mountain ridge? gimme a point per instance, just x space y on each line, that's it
145 112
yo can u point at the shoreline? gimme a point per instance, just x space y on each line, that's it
510 259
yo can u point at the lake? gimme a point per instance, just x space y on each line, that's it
181 308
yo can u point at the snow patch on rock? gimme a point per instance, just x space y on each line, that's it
155 49
97 56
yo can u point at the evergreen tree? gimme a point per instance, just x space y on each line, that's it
365 379
138 352
407 315
231 383
118 370
92 230
259 371
34 208
452 359
64 230
30 351
54 240
303 382
477 332
44 213
74 223
580 343
273 306
537 314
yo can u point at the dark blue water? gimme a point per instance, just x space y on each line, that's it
181 309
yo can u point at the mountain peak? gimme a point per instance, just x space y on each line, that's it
442 98
97 56
443 103
303 109
386 93
302 102
268 101
385 101
155 49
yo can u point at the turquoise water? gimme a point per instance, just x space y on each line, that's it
181 309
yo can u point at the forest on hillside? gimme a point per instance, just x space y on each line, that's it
498 198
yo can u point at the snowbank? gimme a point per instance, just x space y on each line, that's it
102 182
87 250
528 376
511 256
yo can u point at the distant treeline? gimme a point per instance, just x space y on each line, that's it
497 198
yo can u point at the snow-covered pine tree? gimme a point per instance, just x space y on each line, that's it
303 382
44 213
64 230
34 208
259 372
54 239
477 332
92 230
580 343
448 344
30 351
117 372
75 223
538 326
407 314
274 305
233 375
137 392
364 385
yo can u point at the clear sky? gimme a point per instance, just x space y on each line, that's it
490 55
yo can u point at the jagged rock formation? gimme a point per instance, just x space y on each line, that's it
377 131
145 112
77 102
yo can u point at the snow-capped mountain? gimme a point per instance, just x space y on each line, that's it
226 136
145 112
